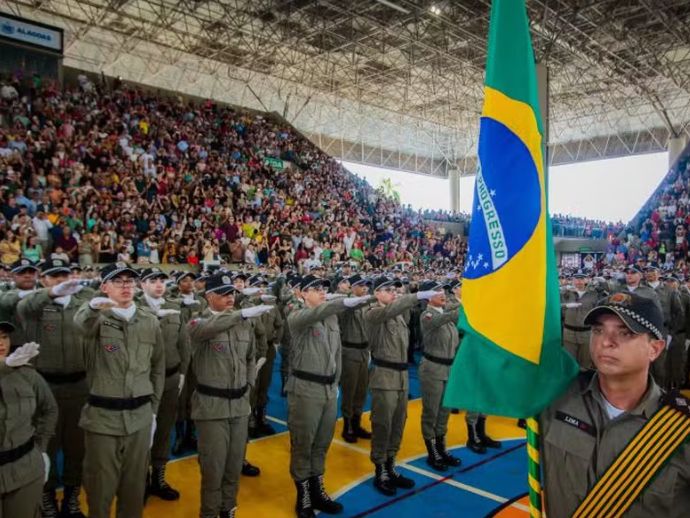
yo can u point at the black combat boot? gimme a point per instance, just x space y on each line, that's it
434 458
320 500
49 507
70 503
397 478
227 514
249 470
383 482
360 432
262 424
159 487
474 442
449 459
303 507
348 431
486 440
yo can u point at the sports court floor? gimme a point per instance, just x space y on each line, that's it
494 484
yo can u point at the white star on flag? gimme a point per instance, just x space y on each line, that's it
492 192
486 265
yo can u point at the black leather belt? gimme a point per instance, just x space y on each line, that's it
219 392
116 403
59 377
577 329
389 365
172 370
316 378
17 453
350 345
437 359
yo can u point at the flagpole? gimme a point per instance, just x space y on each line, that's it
534 468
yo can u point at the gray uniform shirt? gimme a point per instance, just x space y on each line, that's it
575 457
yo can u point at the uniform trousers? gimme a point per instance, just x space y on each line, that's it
222 444
388 416
24 502
434 414
311 422
116 465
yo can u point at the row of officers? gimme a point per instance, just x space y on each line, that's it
102 373
581 291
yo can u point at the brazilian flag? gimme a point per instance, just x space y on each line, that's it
511 361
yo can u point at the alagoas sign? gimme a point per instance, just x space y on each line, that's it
33 33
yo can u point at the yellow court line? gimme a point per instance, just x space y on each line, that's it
273 494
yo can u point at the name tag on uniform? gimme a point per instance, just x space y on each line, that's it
575 422
48 309
112 324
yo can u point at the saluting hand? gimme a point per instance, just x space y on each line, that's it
66 288
193 302
352 302
256 311
22 355
251 291
100 303
426 295
165 312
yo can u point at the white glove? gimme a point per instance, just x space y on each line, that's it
256 311
352 302
426 295
333 296
101 303
46 466
193 302
22 355
276 346
259 363
251 291
572 305
180 384
268 298
67 288
165 312
687 344
153 429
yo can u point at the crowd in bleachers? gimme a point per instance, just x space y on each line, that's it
571 226
95 174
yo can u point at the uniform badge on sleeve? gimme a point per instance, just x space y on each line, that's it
111 348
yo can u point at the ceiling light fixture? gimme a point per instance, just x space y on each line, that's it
394 6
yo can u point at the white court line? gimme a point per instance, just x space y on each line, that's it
429 474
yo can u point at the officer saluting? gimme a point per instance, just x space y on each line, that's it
223 344
355 377
389 338
28 414
177 356
24 274
440 343
125 371
48 318
312 388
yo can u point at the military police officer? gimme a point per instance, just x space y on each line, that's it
177 356
440 343
48 318
28 414
125 372
575 304
313 391
355 377
388 337
223 343
24 274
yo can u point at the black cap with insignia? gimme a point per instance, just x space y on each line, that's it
54 267
220 283
22 265
116 269
152 273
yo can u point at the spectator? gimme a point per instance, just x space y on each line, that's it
31 250
10 248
